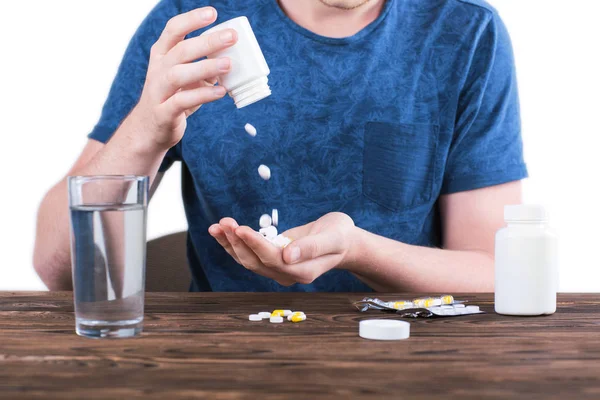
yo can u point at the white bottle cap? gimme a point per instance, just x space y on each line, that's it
384 329
524 212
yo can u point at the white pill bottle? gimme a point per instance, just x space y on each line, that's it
247 80
526 263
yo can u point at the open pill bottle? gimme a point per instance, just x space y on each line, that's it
247 80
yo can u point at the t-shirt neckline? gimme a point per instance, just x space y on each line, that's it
335 41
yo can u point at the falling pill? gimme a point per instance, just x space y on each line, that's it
250 129
265 221
264 172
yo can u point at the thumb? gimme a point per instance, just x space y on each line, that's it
313 246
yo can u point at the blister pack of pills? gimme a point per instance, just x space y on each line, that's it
423 307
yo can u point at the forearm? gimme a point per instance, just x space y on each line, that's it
125 154
391 266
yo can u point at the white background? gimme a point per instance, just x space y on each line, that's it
58 59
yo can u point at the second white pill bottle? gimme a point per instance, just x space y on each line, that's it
526 271
247 81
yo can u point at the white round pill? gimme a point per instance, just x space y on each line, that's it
473 309
250 129
264 172
275 217
276 320
270 232
287 312
265 221
264 315
384 329
255 317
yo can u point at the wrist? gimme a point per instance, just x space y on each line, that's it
353 259
139 136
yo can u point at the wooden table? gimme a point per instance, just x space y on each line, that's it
202 345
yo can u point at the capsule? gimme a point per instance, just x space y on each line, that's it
298 318
402 305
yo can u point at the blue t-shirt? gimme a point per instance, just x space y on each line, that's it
421 103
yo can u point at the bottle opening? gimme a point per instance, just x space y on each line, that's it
251 92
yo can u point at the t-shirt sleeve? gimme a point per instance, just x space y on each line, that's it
487 147
127 86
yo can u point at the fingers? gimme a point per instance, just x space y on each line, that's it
218 233
180 26
306 272
246 256
268 254
190 99
299 231
313 246
201 46
182 76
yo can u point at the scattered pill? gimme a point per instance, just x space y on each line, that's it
384 329
287 312
472 308
447 299
250 129
447 307
459 306
276 320
296 314
264 315
255 317
265 221
275 217
277 313
298 318
264 172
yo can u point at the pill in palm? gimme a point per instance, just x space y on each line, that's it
270 232
265 221
250 129
275 217
264 172
280 241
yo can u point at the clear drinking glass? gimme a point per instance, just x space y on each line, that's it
108 251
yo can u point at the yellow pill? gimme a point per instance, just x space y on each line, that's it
421 302
429 303
400 305
277 313
447 299
298 318
296 314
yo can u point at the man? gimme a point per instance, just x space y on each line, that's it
393 135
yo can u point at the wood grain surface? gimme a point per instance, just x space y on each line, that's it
203 346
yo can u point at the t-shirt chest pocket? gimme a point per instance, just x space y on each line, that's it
400 164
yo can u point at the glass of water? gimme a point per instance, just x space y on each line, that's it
108 252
